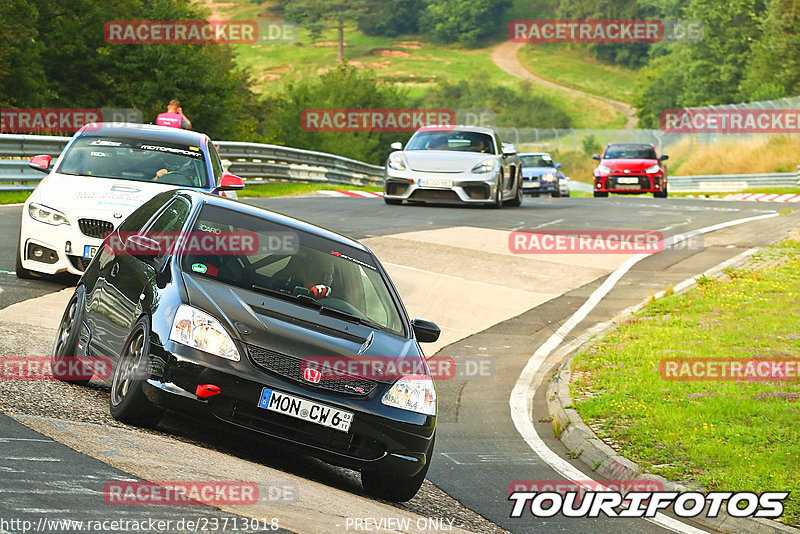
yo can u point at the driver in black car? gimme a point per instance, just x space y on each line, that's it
313 279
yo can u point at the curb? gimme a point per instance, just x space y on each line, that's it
576 435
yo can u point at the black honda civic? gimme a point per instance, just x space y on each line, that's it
231 313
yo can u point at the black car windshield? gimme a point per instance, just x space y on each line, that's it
457 141
537 160
295 265
630 152
136 160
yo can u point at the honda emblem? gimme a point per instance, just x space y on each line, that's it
311 375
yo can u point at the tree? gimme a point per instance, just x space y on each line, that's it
463 21
22 79
315 15
391 18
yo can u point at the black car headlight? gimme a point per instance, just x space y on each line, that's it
197 329
414 393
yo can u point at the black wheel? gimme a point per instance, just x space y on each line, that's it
66 342
21 272
392 201
556 193
661 194
498 196
390 487
602 194
517 200
128 402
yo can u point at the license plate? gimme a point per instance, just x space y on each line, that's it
530 185
435 182
627 180
89 251
306 410
628 186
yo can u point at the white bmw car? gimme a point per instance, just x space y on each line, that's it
103 174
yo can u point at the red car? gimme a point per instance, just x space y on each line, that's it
630 168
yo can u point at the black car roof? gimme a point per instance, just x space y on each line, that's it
146 132
297 224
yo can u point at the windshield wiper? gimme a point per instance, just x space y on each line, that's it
311 302
303 299
347 316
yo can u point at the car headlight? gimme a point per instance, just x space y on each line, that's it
396 162
603 169
414 393
199 330
652 170
487 165
46 215
549 177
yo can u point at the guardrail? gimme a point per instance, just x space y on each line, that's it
260 163
256 163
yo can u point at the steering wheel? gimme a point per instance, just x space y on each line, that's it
182 179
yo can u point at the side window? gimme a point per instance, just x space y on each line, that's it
216 164
169 222
136 220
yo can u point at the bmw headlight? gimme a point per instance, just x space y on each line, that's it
46 215
197 329
487 165
652 170
603 169
414 393
397 162
549 177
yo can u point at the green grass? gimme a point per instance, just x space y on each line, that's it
292 189
767 190
572 67
14 197
728 436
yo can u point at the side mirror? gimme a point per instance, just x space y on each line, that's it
558 165
596 156
397 145
142 247
229 182
41 163
663 157
425 331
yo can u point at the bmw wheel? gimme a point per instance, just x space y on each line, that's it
19 269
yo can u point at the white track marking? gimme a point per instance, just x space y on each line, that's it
530 379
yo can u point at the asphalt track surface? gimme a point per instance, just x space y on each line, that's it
479 452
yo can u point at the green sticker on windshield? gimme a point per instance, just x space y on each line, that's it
199 268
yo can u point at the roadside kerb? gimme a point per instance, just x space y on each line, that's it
604 460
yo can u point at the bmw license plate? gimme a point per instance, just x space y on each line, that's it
435 182
89 251
530 185
276 401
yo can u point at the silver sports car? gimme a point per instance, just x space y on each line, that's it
454 164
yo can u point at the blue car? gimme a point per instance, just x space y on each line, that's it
541 175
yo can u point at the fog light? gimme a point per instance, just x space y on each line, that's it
37 252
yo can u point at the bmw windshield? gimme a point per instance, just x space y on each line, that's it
290 264
537 160
136 160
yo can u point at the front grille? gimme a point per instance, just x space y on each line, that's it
284 426
95 228
291 367
80 263
434 194
643 183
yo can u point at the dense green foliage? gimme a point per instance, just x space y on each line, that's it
463 21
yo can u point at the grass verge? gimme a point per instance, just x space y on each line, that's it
733 436
13 197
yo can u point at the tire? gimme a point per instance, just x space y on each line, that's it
66 342
392 201
20 271
601 194
661 194
498 196
127 402
556 193
517 200
390 487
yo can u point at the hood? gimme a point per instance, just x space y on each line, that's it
634 165
531 172
72 194
443 160
291 329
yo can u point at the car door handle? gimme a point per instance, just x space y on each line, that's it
115 269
